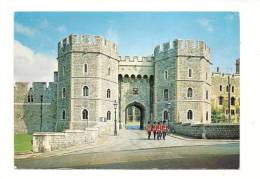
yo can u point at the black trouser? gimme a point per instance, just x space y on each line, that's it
154 135
159 134
164 134
149 134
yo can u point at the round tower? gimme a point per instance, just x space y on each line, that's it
88 81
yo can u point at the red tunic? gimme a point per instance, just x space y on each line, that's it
158 128
149 128
154 128
164 128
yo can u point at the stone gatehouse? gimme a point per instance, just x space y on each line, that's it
174 84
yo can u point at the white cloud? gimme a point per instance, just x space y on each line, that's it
206 24
24 30
30 66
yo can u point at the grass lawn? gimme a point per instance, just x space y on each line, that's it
22 142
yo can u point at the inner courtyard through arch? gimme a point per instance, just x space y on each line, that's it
134 117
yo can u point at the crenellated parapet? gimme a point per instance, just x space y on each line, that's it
87 43
22 91
184 48
136 59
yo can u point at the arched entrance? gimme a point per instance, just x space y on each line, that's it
134 115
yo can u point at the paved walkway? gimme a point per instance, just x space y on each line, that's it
129 140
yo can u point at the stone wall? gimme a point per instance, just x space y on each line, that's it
49 141
208 131
27 112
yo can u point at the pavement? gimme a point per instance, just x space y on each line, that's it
129 140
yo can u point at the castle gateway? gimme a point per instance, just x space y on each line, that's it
172 84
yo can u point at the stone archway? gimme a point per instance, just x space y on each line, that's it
140 118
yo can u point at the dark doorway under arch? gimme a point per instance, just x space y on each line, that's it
134 115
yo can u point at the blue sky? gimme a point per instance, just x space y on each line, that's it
136 33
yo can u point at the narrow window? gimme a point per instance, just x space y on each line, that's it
220 88
85 114
85 91
233 89
108 93
221 100
63 92
233 101
63 115
227 88
189 115
108 71
207 95
189 93
207 116
190 73
108 115
29 98
232 112
165 115
32 98
165 94
165 74
63 70
86 68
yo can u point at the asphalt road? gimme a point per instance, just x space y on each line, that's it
219 156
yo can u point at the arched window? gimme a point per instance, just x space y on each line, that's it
85 91
189 115
63 115
165 74
86 68
232 101
85 114
108 93
207 94
233 89
220 88
189 94
165 115
227 88
165 94
190 73
63 92
207 116
221 100
108 115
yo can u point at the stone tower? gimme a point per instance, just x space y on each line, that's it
88 81
193 81
183 80
238 66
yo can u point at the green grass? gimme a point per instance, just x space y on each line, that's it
22 143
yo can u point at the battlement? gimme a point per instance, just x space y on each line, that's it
136 59
184 48
86 43
23 89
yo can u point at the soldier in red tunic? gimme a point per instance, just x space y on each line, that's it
154 130
164 129
158 131
149 129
